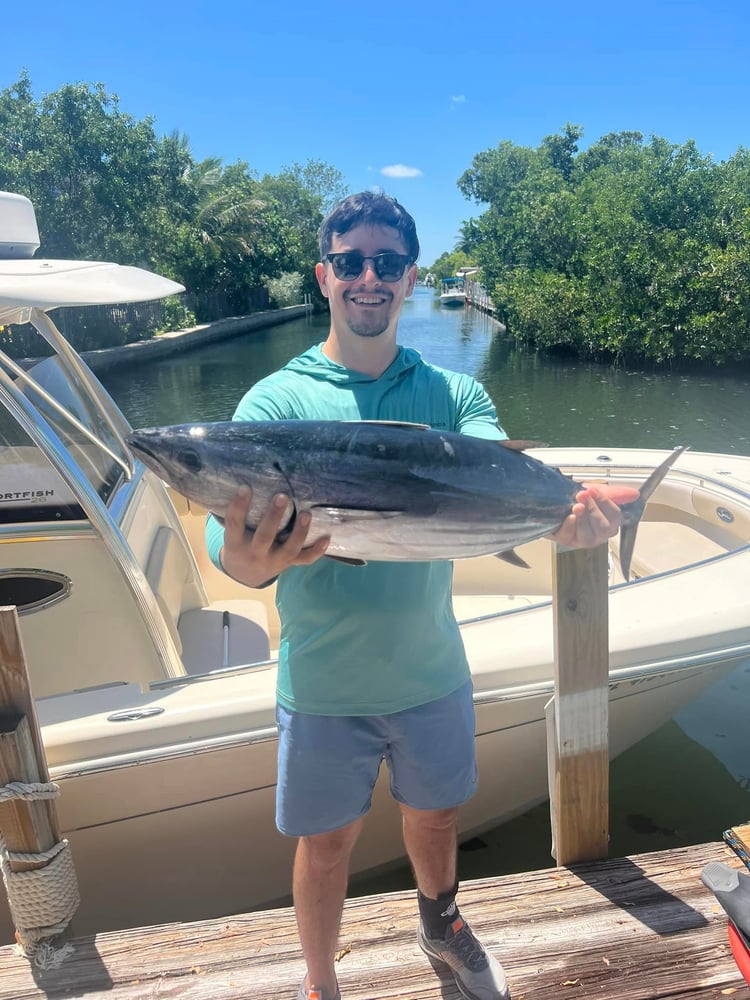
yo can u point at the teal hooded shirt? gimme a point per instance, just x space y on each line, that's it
380 638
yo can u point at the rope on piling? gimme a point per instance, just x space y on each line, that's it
29 791
42 900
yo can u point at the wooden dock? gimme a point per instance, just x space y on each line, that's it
636 928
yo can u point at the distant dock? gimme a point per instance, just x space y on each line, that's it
478 298
628 929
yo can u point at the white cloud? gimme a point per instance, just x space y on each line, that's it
401 171
458 99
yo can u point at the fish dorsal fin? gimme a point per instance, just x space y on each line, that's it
521 445
395 423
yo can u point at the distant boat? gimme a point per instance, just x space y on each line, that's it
453 292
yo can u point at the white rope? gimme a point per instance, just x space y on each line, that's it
42 900
36 857
47 956
28 791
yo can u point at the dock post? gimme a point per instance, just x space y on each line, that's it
578 737
36 865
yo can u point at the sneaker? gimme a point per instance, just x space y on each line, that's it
478 975
316 994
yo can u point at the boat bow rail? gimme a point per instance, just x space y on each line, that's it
63 457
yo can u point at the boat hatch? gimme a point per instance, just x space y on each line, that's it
31 488
32 589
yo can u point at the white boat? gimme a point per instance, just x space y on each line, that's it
162 737
453 292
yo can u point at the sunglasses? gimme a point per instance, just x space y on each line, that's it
389 266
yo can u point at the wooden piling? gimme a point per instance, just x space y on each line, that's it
579 754
28 827
16 700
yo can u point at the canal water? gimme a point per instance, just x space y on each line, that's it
688 781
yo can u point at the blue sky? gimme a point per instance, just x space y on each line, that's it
415 87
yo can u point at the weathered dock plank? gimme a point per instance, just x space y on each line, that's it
637 928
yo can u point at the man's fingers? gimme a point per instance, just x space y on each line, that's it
294 546
236 514
607 514
271 522
298 535
605 502
262 547
602 517
610 491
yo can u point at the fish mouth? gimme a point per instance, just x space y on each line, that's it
142 451
138 445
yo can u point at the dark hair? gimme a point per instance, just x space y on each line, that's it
368 208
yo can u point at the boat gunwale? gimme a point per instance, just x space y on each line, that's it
534 690
615 587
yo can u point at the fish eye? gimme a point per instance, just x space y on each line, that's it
191 459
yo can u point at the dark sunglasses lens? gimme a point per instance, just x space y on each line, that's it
347 266
390 266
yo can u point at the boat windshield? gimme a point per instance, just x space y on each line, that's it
31 488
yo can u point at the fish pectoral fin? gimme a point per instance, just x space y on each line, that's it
521 445
512 557
347 561
348 514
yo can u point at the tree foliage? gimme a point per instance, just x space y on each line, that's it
447 264
90 170
105 186
630 248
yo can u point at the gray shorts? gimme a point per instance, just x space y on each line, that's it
328 764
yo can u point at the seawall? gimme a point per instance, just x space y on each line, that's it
183 340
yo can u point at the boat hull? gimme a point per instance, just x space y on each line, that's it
191 834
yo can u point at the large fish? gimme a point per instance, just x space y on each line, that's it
381 490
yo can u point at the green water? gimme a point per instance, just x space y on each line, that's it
553 400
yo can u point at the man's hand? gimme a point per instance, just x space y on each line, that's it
255 558
592 520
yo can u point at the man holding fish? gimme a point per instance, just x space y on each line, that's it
371 662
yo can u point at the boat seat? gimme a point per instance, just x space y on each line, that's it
662 546
202 634
198 632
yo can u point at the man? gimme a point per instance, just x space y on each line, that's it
371 663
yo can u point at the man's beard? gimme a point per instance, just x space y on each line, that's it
369 325
362 330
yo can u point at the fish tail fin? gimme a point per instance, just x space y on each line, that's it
633 512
